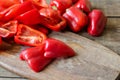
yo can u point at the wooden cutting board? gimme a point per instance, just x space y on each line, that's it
92 61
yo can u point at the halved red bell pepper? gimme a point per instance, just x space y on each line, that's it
29 36
30 17
61 5
52 19
35 58
76 19
8 29
97 22
83 5
56 48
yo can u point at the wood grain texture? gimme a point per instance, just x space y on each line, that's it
88 64
109 7
110 37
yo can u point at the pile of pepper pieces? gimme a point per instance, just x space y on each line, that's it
28 22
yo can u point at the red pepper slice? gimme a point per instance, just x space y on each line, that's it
24 7
55 48
61 5
15 10
28 36
84 5
8 29
30 17
9 13
35 58
8 3
97 22
76 19
38 3
52 19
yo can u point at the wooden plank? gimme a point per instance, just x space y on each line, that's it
89 64
110 37
110 7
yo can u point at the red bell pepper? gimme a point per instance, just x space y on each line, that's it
52 19
9 13
8 29
28 36
35 58
8 3
76 19
61 5
97 22
55 48
15 10
24 7
30 17
83 5
38 3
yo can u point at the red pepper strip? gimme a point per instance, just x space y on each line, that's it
24 7
30 17
61 5
84 5
97 22
38 3
76 19
8 29
15 10
28 36
35 58
8 13
52 19
8 3
55 48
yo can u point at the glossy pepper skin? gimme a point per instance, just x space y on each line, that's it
61 5
56 48
35 58
97 22
76 19
83 5
52 19
30 17
37 3
29 36
16 10
8 13
8 29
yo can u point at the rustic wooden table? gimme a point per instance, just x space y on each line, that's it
110 37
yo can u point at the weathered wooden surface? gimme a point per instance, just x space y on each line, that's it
110 38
